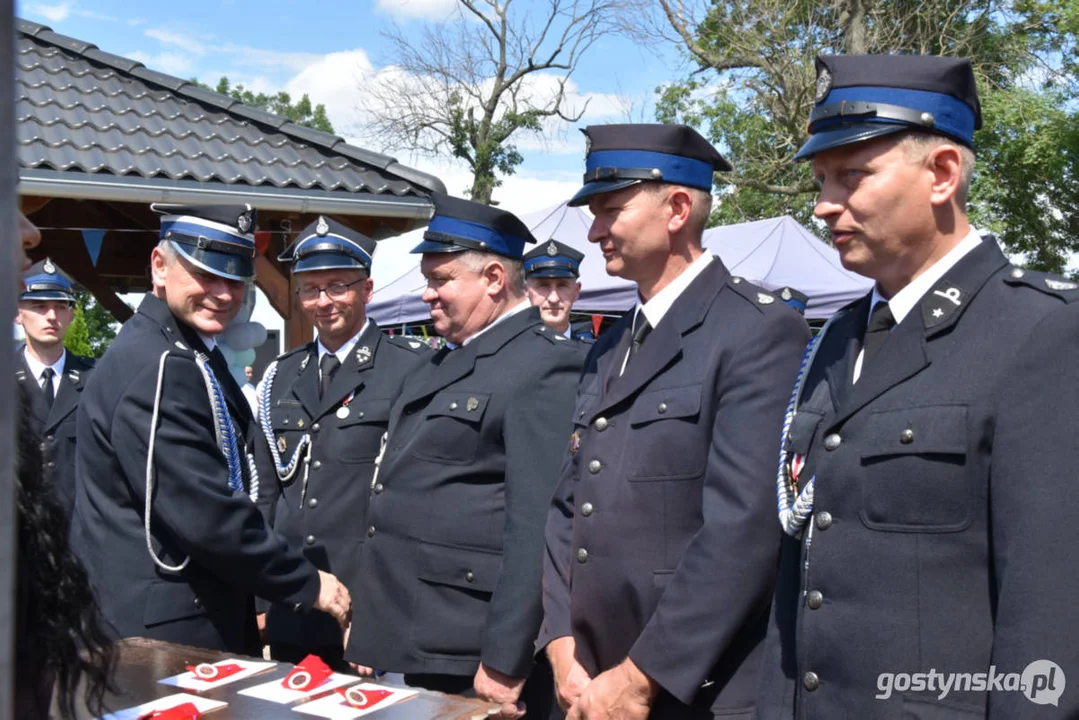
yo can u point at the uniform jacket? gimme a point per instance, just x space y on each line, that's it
56 426
233 554
325 519
661 539
451 568
912 566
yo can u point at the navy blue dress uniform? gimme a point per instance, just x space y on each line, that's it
659 545
451 568
316 450
905 552
201 517
554 259
53 417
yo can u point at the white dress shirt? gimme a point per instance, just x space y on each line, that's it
37 367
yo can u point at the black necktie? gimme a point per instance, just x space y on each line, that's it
327 367
881 322
47 388
641 328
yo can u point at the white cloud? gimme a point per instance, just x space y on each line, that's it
187 43
434 10
338 81
52 13
170 63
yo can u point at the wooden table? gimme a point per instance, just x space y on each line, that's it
144 662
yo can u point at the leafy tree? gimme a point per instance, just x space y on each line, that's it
302 112
751 89
92 329
472 84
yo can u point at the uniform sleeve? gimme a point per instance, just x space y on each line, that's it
726 576
536 433
193 508
1032 516
556 565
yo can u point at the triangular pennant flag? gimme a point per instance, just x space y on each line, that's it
93 240
597 320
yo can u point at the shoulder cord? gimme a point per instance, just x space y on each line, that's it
793 507
285 472
224 432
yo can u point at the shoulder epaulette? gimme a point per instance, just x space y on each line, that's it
408 343
754 293
293 351
1048 283
555 338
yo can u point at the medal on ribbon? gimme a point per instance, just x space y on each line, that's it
213 673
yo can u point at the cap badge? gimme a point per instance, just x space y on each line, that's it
363 354
824 84
244 222
552 249
786 294
49 267
323 227
471 404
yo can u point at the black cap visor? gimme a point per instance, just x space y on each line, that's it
598 187
846 134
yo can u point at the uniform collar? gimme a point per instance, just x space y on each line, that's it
344 350
906 299
37 367
661 302
520 307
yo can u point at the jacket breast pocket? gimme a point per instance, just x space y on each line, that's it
360 434
915 472
451 427
169 602
451 603
667 440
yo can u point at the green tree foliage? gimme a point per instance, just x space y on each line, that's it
302 112
751 90
92 329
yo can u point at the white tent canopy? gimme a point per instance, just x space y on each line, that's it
773 253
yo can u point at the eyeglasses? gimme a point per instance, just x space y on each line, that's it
334 291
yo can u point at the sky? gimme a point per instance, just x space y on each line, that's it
332 50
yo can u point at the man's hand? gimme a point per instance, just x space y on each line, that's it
360 669
570 677
333 598
494 687
621 693
260 620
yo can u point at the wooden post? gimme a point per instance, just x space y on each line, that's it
278 290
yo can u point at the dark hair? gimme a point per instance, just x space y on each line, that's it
58 631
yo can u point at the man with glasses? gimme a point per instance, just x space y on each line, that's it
323 408
164 519
46 309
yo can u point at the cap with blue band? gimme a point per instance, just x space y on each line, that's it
553 260
329 245
216 238
460 225
623 155
45 281
859 97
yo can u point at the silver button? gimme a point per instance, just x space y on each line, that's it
310 539
50 438
810 681
198 603
906 437
814 599
316 427
661 408
453 405
582 555
50 464
312 503
595 466
600 424
371 531
824 520
378 489
832 441
586 509
359 414
469 577
1017 273
316 464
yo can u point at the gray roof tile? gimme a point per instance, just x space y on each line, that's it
81 109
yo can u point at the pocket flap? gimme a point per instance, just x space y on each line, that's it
285 417
939 429
168 601
803 428
468 406
666 404
461 567
367 411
